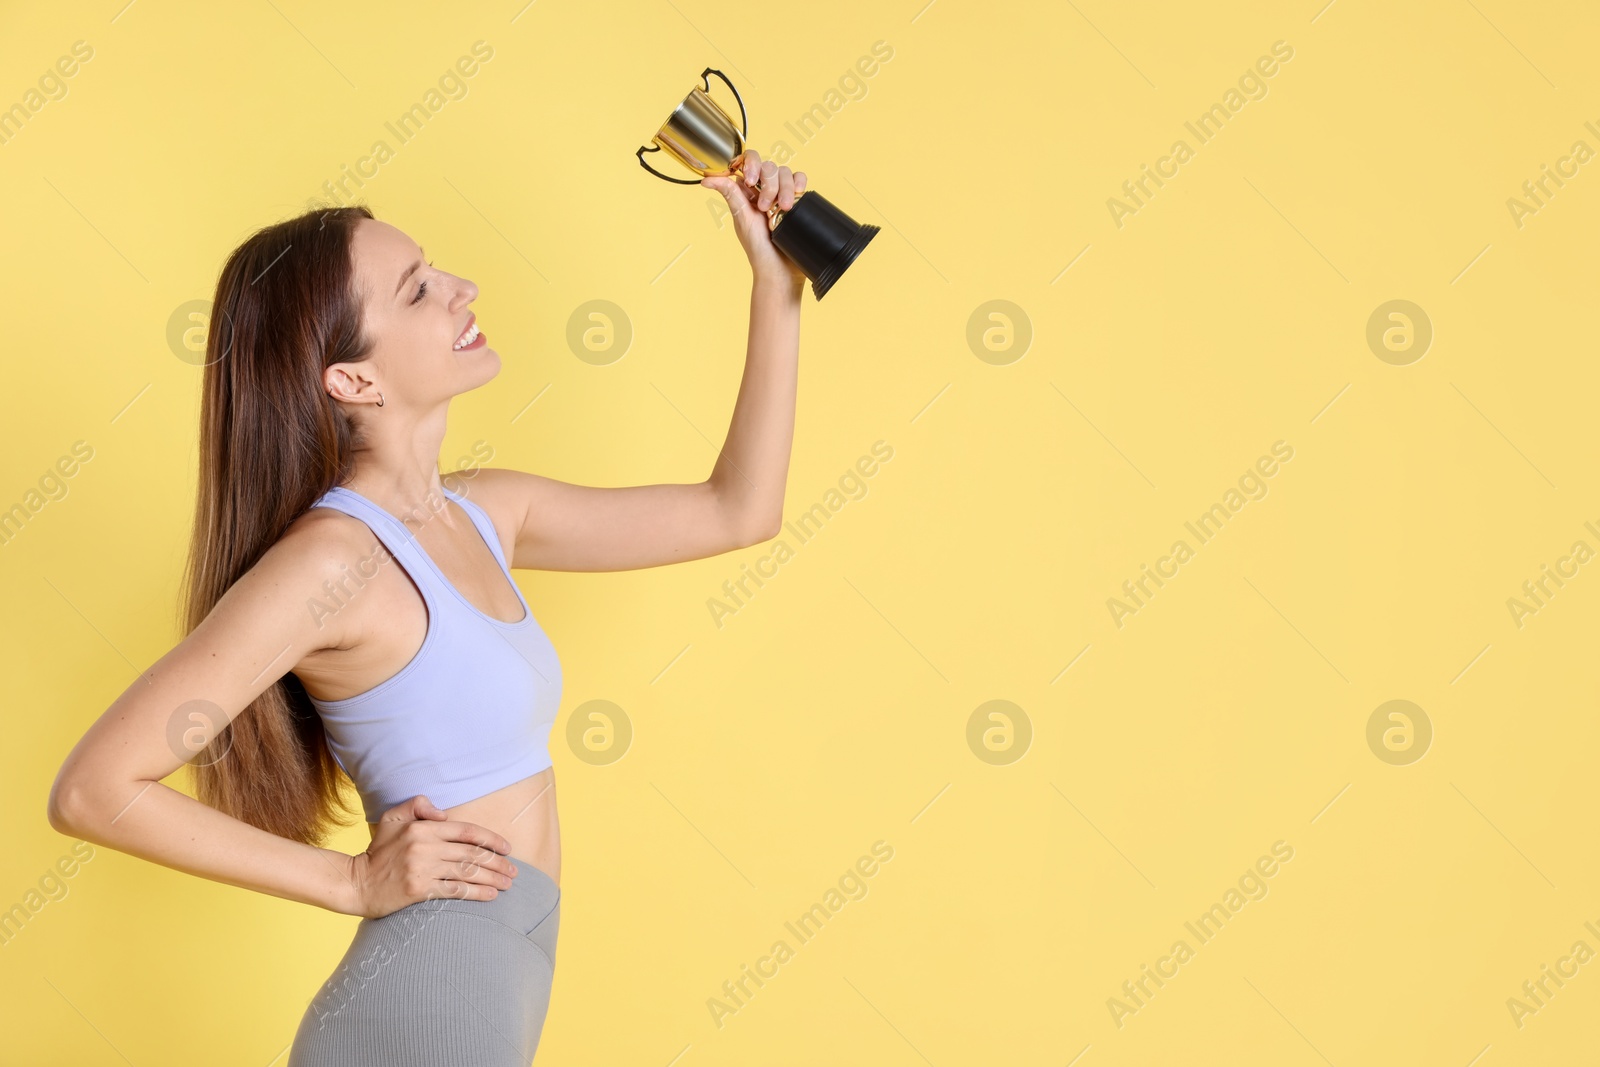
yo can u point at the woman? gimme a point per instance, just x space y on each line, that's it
349 608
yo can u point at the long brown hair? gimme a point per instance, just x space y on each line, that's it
271 442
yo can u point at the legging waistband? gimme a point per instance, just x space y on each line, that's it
530 900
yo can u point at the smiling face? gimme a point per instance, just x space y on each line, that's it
415 315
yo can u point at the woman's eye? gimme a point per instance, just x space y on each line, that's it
423 288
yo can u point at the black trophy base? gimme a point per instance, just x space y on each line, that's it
821 240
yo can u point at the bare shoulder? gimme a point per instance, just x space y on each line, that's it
320 538
319 547
503 493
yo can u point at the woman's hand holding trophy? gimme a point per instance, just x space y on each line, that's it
751 194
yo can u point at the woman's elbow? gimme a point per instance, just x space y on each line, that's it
765 530
70 807
63 804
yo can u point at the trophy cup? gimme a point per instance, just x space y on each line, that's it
819 238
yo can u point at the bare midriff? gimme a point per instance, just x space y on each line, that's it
524 813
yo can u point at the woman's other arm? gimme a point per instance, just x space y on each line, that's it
109 789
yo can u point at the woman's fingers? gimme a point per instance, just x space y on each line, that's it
418 807
763 182
461 890
732 190
470 833
478 865
785 188
751 166
769 186
773 184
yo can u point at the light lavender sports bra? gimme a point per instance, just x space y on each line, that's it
471 712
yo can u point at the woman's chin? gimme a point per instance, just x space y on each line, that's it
482 368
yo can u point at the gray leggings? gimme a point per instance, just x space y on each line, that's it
439 982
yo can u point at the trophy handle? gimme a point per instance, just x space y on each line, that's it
657 173
744 122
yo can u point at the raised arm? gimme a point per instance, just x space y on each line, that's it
565 527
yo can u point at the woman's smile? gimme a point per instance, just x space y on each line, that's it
470 338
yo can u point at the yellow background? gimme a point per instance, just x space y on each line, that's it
831 712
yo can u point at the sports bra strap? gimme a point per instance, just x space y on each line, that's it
485 525
393 533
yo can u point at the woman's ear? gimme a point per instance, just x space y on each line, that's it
344 381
